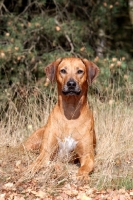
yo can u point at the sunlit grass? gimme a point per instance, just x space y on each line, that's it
114 129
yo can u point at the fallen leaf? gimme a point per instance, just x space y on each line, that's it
90 191
86 198
122 191
18 163
2 196
131 193
64 196
8 185
40 194
122 197
18 198
71 193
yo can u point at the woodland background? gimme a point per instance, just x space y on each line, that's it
34 33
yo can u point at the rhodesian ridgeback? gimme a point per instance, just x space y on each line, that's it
70 125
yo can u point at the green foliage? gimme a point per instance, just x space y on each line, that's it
35 33
115 79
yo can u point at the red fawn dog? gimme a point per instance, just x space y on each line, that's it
70 125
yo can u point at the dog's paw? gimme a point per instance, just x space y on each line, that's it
29 173
83 176
34 168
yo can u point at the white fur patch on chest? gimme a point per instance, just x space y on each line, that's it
66 146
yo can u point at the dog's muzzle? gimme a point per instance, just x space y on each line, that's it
71 88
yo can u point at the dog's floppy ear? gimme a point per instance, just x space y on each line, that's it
92 70
50 69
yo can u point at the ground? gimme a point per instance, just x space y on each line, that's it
57 182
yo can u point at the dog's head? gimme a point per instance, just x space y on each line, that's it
73 75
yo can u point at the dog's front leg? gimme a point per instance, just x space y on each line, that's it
49 146
34 142
86 157
87 165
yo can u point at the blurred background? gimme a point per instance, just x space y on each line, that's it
34 33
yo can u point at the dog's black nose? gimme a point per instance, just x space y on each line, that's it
71 83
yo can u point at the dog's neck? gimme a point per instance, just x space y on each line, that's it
72 106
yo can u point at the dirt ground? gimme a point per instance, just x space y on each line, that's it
57 182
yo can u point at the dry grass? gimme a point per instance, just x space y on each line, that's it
114 130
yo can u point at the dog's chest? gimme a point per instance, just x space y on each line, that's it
66 146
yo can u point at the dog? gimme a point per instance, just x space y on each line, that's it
70 125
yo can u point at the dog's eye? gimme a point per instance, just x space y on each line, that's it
63 71
80 71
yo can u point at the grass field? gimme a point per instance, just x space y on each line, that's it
114 151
